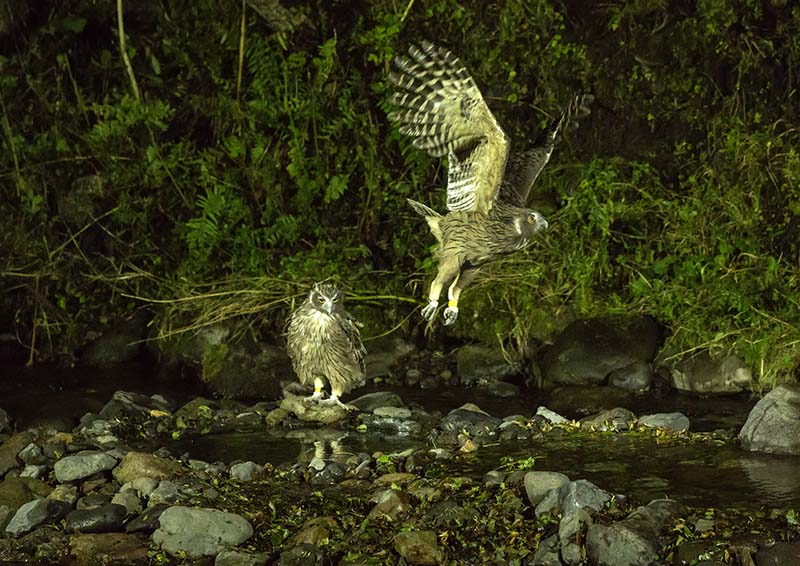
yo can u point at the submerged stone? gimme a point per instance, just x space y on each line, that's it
773 425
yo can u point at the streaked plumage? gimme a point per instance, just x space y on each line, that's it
324 343
444 113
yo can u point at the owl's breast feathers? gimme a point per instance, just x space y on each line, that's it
325 345
479 237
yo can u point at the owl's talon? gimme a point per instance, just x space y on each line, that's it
450 315
429 310
334 400
315 398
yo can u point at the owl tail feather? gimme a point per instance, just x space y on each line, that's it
431 217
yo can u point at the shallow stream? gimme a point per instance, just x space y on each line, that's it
701 474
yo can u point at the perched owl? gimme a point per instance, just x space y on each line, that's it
324 344
441 108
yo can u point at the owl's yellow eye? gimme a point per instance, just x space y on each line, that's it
336 300
531 218
321 300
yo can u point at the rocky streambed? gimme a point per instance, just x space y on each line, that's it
147 480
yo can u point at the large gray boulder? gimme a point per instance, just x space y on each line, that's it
231 366
587 351
119 344
703 373
634 541
478 365
200 532
774 423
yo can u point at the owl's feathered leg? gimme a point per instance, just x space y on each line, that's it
317 395
449 268
454 292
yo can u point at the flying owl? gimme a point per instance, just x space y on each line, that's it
442 110
324 344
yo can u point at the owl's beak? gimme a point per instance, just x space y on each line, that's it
541 223
328 306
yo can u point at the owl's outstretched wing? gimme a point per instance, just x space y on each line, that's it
524 166
441 108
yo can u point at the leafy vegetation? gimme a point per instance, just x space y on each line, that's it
247 154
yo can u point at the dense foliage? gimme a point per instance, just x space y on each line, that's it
246 152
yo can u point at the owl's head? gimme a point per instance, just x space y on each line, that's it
529 223
326 297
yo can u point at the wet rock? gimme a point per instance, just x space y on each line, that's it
386 355
129 500
636 376
246 471
480 365
240 558
586 401
587 351
471 419
389 503
513 430
148 521
92 501
200 532
503 389
119 344
539 484
32 455
108 548
547 553
551 416
169 492
103 519
301 555
703 373
82 465
143 486
143 465
419 547
393 412
396 478
570 533
66 493
582 493
6 424
236 368
16 491
31 471
35 513
399 426
493 477
133 405
634 541
371 401
773 425
779 554
311 411
315 531
612 420
669 421
9 450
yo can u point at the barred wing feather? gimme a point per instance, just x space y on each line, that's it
524 166
442 109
